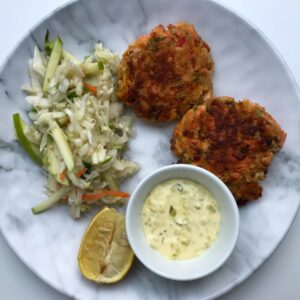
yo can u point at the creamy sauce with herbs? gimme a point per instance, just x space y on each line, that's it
180 218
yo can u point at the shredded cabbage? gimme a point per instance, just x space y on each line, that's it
93 126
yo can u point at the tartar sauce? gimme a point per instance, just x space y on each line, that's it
180 219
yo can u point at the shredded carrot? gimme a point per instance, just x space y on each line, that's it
81 172
101 194
63 174
90 88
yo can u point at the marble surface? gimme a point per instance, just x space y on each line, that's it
246 66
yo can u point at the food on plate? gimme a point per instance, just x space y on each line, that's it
180 218
32 149
234 140
79 130
105 255
165 73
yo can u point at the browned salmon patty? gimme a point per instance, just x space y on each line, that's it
234 140
165 73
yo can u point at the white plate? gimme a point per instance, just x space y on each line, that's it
246 66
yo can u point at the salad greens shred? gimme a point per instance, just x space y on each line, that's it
79 129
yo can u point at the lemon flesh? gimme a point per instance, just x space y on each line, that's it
105 255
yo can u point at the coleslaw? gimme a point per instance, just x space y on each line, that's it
79 131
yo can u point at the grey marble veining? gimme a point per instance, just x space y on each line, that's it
246 67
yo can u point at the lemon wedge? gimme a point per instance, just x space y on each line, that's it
105 255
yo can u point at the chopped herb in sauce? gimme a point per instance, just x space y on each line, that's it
172 211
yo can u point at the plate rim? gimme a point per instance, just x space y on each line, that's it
269 43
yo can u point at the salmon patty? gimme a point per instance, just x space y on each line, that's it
234 140
165 73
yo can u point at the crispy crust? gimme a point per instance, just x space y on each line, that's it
165 73
234 140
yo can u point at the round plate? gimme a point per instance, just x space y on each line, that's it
246 66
